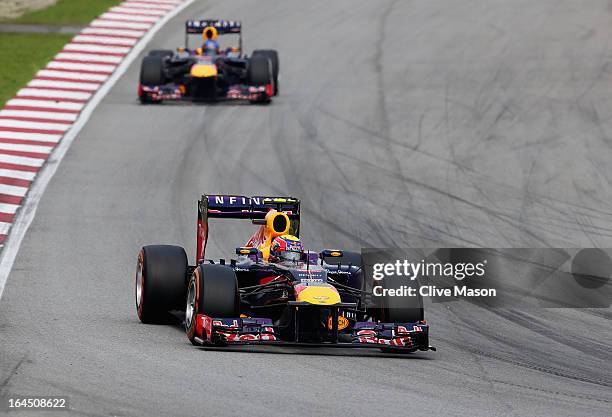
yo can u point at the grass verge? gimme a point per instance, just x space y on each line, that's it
23 54
68 12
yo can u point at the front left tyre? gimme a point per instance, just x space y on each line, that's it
259 72
160 282
272 55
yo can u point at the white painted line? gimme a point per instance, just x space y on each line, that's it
83 76
4 228
81 67
79 47
40 114
89 57
13 190
24 218
13 173
131 10
170 2
122 25
115 32
22 160
140 5
25 148
61 105
43 137
8 208
33 125
129 18
63 84
58 94
105 40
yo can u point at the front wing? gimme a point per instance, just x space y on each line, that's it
235 92
408 337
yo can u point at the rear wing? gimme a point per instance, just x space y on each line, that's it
241 207
223 26
195 27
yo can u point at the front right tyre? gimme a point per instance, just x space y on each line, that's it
151 75
212 291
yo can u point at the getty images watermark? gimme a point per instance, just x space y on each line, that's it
413 270
492 277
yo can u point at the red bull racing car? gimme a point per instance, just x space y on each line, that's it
209 72
274 292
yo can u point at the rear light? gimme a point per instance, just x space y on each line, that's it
139 90
269 90
423 321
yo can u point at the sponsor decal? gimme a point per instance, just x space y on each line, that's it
343 323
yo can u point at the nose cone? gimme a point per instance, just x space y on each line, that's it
204 70
317 294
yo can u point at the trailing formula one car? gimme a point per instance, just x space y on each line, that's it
209 72
274 292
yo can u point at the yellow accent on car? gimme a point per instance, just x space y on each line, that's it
336 253
319 295
212 30
204 70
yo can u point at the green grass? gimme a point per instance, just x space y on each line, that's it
68 12
23 54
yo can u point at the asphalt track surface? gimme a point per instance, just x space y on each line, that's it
400 123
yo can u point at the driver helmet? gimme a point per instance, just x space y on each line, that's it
210 46
286 248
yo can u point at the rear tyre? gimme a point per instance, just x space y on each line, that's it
213 291
160 282
272 55
161 52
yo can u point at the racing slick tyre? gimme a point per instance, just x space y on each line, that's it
402 309
273 56
160 282
161 52
259 71
151 74
213 291
394 309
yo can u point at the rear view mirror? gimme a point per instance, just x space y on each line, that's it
246 250
330 253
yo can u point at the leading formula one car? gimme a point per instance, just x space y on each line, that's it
209 72
307 298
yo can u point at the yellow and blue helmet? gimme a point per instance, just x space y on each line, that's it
286 247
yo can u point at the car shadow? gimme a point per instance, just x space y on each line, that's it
188 103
